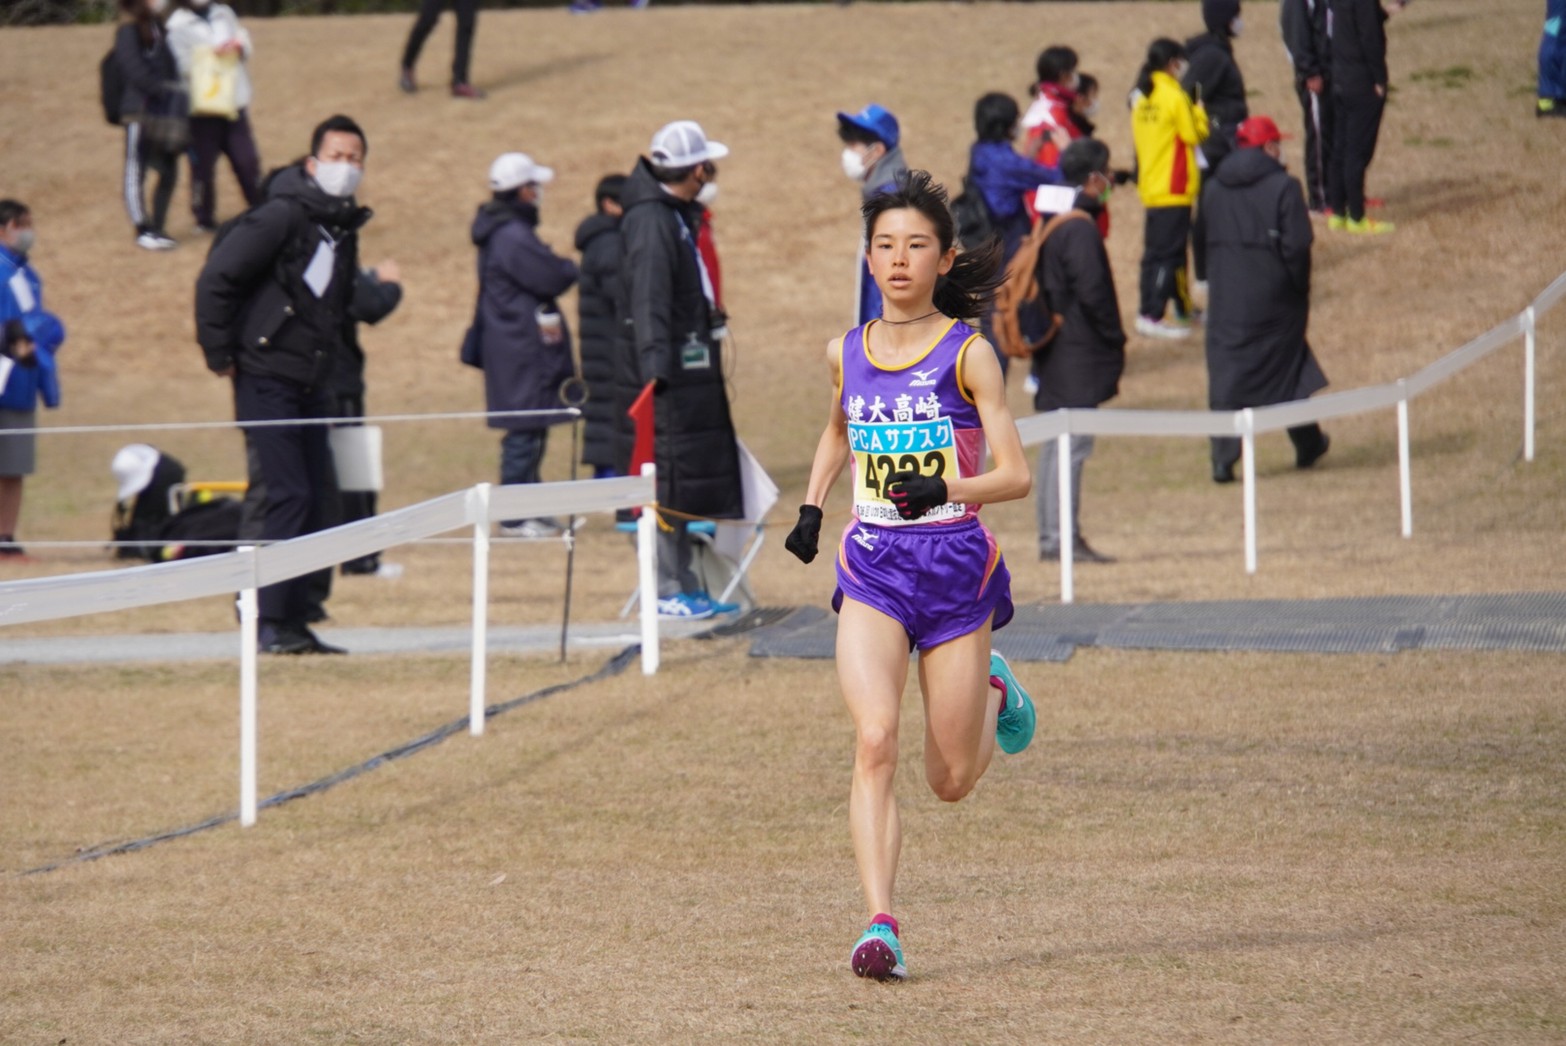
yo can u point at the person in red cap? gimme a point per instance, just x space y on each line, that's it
1258 237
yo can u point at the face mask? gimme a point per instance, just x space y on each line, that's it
337 179
854 165
1109 190
158 6
25 240
538 196
1091 110
1180 70
708 193
1076 81
1237 26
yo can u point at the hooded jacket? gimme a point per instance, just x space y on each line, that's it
1008 180
598 239
1167 128
1304 27
1258 239
22 312
152 85
666 338
1359 46
1214 71
255 310
518 277
1082 364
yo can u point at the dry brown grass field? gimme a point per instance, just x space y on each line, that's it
1200 847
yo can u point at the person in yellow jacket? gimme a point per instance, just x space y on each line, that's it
1166 127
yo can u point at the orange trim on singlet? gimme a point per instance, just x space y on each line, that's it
962 354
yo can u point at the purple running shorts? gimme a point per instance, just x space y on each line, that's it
939 581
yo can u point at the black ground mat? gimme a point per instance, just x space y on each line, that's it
1534 621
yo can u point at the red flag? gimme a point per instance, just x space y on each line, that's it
641 414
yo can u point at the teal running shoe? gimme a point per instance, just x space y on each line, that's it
878 956
1014 728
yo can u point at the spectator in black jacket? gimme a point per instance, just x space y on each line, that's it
1359 88
524 342
1081 366
154 112
1304 26
598 238
1214 79
272 308
668 337
1259 241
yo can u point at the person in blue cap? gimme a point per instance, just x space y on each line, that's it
873 157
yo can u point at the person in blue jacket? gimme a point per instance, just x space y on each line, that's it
1006 180
29 338
1552 62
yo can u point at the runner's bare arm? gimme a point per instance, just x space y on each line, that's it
1009 479
832 449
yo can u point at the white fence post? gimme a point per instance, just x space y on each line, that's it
647 565
1404 470
1529 346
249 627
1248 458
1068 539
478 687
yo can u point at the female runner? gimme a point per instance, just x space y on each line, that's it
917 395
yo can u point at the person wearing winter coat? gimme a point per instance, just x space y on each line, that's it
1259 244
1304 27
1166 128
1047 123
1214 78
1004 177
598 240
273 308
154 111
872 157
30 335
524 342
197 27
1552 61
670 338
1359 87
1081 366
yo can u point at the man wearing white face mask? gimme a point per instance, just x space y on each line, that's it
273 313
873 157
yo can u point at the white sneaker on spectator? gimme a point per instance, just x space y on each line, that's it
1151 328
533 529
155 241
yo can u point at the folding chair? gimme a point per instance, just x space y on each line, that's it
713 566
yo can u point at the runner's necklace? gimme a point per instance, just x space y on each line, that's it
916 319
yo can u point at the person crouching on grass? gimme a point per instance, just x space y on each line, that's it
916 397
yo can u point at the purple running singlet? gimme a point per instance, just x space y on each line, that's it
940 576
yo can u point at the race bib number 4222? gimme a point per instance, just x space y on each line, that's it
928 448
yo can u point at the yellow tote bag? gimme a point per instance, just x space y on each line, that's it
214 84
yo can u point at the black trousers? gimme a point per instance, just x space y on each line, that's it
1164 239
296 463
1356 125
142 156
1307 440
429 14
1319 112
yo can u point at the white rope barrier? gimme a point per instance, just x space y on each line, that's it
1056 425
561 413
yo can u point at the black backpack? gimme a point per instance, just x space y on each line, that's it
111 86
975 226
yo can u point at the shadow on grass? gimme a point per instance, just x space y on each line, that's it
521 76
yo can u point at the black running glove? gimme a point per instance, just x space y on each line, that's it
914 494
806 535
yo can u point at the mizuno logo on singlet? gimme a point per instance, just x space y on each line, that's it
923 379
